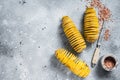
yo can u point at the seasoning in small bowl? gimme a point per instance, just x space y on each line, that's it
109 62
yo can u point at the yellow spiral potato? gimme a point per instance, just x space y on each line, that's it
77 66
72 33
91 25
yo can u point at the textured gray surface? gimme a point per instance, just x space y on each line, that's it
31 32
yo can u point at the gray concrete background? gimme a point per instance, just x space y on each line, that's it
30 32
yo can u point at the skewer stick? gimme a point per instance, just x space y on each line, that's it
97 49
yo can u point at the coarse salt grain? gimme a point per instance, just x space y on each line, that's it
107 34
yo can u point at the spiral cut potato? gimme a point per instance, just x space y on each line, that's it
72 33
91 25
76 65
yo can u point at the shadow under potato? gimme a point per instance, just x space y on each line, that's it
82 25
100 72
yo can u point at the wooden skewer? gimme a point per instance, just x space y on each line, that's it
97 49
